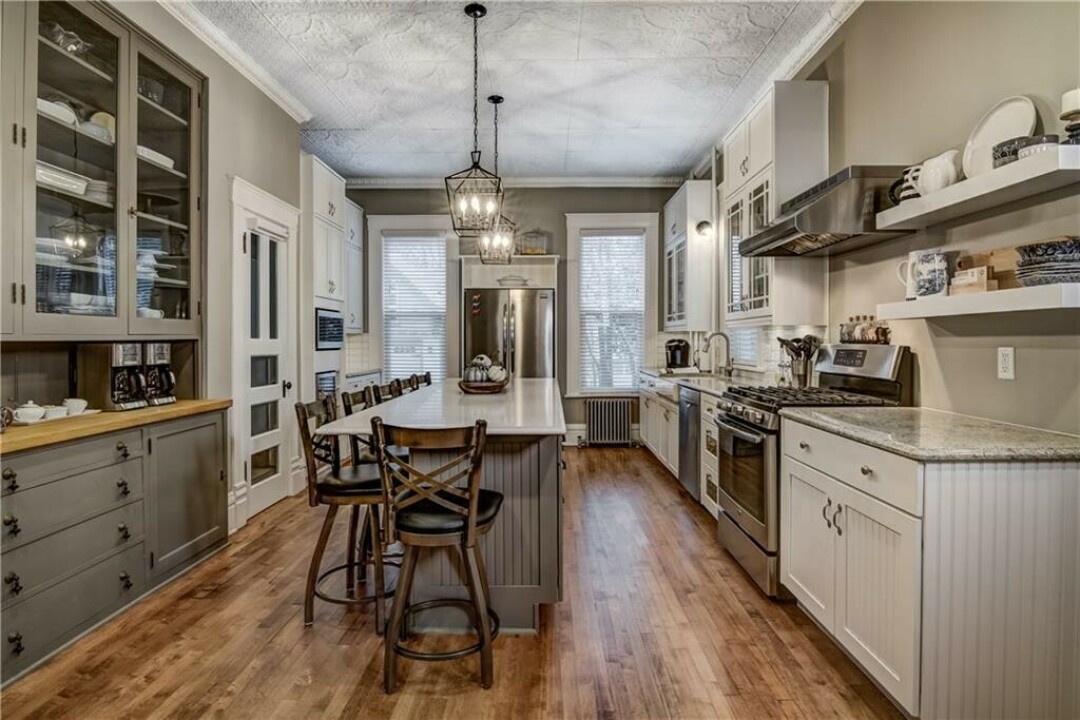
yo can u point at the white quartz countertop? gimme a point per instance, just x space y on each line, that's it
938 436
530 406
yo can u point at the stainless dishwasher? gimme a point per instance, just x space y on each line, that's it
689 441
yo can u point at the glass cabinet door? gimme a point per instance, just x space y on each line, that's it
680 280
75 110
734 220
164 202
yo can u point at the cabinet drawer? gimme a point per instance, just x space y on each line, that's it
710 443
25 470
890 478
55 505
29 567
34 628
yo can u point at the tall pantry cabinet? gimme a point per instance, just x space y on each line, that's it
102 209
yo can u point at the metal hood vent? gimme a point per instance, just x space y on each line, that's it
836 215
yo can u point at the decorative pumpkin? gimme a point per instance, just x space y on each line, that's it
474 373
482 360
496 373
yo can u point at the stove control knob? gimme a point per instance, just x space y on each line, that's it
740 410
757 416
725 405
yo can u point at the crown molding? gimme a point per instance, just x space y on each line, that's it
373 183
219 42
813 41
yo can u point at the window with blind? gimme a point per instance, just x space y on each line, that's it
414 306
611 310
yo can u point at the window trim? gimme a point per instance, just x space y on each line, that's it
576 223
420 226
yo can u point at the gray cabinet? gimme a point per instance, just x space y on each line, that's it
185 462
102 207
89 525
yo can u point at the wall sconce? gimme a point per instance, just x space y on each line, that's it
705 229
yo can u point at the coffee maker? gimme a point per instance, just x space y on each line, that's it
110 375
678 354
160 380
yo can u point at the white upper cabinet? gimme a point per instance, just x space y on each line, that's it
687 259
327 193
779 149
329 261
354 268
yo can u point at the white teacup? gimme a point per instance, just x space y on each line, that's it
75 406
55 411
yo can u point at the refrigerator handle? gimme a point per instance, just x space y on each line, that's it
513 338
505 344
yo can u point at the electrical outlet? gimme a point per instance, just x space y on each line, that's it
1006 363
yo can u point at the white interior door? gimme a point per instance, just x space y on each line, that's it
265 412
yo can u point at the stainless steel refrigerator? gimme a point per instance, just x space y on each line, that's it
515 328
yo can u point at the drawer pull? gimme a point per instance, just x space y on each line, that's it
125 533
865 470
12 524
124 489
122 448
836 519
803 445
12 579
16 643
125 581
825 513
9 477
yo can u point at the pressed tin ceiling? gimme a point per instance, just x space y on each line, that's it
592 89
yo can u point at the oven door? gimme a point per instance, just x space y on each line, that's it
749 483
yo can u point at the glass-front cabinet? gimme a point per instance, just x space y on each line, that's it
101 217
749 278
675 284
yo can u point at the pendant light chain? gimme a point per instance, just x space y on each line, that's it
476 85
496 138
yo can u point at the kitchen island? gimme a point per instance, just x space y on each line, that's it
523 461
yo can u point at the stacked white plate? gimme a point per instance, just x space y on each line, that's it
61 179
101 191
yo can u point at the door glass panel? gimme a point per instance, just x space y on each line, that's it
264 370
163 194
264 418
734 231
76 172
272 297
264 464
255 291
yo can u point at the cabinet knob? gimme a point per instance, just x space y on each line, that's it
803 445
122 448
12 524
124 489
865 470
125 533
12 579
9 477
825 513
15 639
125 581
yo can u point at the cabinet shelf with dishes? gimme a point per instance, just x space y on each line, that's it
1021 179
89 186
1064 296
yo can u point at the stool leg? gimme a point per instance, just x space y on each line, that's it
350 552
364 551
316 562
483 574
397 619
476 589
380 578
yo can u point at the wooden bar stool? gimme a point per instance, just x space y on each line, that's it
382 393
362 446
431 511
426 379
357 486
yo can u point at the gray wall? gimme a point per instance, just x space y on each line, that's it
530 208
248 136
908 81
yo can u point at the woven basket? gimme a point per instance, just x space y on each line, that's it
483 388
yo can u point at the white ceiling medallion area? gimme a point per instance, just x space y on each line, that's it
621 91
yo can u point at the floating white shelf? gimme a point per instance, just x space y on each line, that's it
1032 175
1039 297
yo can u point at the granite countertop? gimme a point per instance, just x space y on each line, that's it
938 436
28 437
709 384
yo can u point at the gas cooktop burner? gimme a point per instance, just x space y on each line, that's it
771 398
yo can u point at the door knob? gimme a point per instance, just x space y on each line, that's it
286 386
804 445
865 470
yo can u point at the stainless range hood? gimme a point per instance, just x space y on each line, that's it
836 215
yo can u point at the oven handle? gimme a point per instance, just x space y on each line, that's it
750 437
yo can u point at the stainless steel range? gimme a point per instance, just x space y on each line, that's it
749 444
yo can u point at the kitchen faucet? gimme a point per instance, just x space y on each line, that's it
707 343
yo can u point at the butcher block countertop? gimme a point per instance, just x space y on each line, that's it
30 437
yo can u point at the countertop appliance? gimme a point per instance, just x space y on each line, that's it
110 375
689 441
329 329
678 353
748 429
838 214
515 328
157 368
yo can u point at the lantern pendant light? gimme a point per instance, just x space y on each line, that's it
474 194
496 247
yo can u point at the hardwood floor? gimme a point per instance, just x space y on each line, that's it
656 622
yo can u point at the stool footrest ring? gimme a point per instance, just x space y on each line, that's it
453 654
390 586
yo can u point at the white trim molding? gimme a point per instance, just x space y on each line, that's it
374 183
190 17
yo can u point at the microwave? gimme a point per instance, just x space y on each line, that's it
329 329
